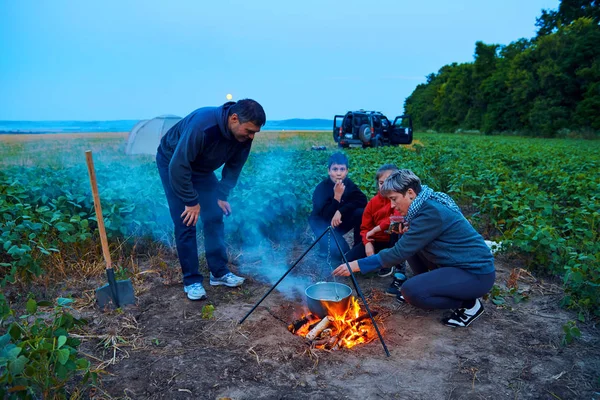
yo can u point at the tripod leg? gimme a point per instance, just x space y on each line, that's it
284 275
361 295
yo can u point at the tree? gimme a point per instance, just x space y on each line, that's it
546 86
568 11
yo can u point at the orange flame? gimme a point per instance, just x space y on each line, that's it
345 331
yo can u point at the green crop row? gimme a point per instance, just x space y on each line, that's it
539 197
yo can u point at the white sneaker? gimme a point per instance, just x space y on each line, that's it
229 279
195 291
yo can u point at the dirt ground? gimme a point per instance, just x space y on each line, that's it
166 347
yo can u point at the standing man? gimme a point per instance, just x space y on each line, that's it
187 157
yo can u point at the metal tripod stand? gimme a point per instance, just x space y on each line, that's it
356 287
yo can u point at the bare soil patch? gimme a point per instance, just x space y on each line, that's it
167 348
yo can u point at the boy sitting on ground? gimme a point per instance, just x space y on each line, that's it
338 202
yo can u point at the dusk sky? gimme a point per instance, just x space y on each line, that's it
83 60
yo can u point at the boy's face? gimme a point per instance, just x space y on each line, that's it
338 172
382 178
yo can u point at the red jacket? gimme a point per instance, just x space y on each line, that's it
377 212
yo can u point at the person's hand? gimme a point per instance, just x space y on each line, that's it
403 228
338 190
337 219
369 235
342 270
369 249
225 207
190 215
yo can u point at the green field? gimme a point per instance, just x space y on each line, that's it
540 197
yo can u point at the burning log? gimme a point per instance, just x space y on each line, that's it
326 343
363 317
324 323
298 324
337 330
340 337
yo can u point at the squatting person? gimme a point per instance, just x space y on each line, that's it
453 266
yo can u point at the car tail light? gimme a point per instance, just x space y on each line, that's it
340 131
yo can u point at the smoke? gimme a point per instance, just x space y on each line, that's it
268 265
270 222
270 202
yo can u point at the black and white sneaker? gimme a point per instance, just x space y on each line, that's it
394 289
383 272
400 299
463 317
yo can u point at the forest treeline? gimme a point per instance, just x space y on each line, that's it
548 85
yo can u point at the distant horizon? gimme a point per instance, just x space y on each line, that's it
124 125
135 119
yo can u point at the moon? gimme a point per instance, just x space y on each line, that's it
229 96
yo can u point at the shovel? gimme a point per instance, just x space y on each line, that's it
120 293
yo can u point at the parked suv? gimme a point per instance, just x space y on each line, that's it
371 129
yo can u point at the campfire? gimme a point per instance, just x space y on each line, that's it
336 330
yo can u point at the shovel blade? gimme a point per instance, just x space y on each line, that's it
124 291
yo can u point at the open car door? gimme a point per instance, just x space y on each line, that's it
402 130
337 127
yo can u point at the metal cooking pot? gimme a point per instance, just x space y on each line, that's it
324 296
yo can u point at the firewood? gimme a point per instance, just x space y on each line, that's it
299 323
326 343
331 342
319 342
364 316
352 324
318 329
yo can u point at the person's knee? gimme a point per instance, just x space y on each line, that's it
313 222
185 232
413 293
211 217
317 224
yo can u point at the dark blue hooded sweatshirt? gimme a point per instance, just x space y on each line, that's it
199 144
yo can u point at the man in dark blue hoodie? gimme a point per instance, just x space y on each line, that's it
187 157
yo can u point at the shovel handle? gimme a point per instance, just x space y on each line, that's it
98 207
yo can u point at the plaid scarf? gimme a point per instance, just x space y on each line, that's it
426 194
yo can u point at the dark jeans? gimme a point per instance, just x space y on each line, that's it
350 220
211 216
358 251
445 287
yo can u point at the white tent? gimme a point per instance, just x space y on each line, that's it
146 134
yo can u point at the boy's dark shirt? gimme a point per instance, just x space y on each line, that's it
325 206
